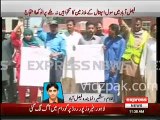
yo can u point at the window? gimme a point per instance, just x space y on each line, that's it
14 23
3 24
146 25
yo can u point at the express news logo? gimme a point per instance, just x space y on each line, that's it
136 102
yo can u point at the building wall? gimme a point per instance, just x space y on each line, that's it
9 23
78 19
147 22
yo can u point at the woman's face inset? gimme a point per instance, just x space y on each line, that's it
52 92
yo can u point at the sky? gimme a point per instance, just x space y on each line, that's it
35 21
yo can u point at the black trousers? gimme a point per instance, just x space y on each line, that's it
9 88
56 71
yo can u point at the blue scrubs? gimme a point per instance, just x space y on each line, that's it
56 43
114 50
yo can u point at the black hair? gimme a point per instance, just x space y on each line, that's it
138 19
52 85
89 23
71 21
99 23
115 28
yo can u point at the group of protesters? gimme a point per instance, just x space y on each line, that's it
134 48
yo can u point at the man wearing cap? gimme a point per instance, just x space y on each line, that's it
56 44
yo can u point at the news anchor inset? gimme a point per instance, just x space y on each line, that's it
53 93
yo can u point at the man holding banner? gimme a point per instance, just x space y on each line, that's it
57 45
90 39
72 38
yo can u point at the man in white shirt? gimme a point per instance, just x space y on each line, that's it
148 66
72 39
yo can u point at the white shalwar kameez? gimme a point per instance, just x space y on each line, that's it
148 69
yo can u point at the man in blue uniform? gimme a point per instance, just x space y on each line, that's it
57 45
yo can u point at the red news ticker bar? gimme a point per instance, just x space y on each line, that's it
73 109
